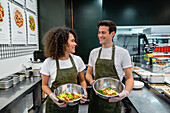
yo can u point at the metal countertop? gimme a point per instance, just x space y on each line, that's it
146 101
17 91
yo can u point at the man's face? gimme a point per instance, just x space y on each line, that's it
104 36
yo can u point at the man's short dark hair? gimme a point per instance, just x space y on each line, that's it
109 23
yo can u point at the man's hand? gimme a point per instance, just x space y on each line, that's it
92 82
55 100
122 95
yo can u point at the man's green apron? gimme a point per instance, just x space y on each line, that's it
104 68
63 76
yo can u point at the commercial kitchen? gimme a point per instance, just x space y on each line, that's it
143 28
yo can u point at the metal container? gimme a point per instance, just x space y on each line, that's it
22 77
6 83
70 88
15 79
156 78
36 72
105 83
166 91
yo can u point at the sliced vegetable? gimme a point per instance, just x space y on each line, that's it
107 91
69 96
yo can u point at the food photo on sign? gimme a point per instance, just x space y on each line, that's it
18 18
32 23
1 13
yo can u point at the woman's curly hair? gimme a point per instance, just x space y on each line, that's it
55 42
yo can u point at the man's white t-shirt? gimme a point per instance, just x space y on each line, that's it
122 58
49 67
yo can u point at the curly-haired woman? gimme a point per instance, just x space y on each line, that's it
61 67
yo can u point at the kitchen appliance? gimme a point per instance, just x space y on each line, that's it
39 55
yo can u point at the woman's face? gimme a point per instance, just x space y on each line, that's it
70 48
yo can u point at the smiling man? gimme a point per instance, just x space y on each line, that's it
108 61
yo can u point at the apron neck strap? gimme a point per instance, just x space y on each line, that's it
113 51
72 61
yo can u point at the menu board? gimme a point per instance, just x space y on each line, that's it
32 28
18 24
22 2
32 5
4 23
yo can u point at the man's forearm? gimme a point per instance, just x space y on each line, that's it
129 84
89 78
83 84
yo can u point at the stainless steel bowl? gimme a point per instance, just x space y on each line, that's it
71 88
108 82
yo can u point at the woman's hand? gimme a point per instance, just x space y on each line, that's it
83 100
55 100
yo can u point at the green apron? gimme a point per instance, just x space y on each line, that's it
104 68
63 76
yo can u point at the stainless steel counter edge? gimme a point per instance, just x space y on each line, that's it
145 101
17 91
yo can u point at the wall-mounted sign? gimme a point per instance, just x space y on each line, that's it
32 5
4 23
18 24
32 28
22 2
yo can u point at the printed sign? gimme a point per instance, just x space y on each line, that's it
18 24
22 2
4 23
32 28
32 5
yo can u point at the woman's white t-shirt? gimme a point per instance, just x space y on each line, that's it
122 58
49 67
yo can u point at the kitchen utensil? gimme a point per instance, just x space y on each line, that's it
108 82
70 88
